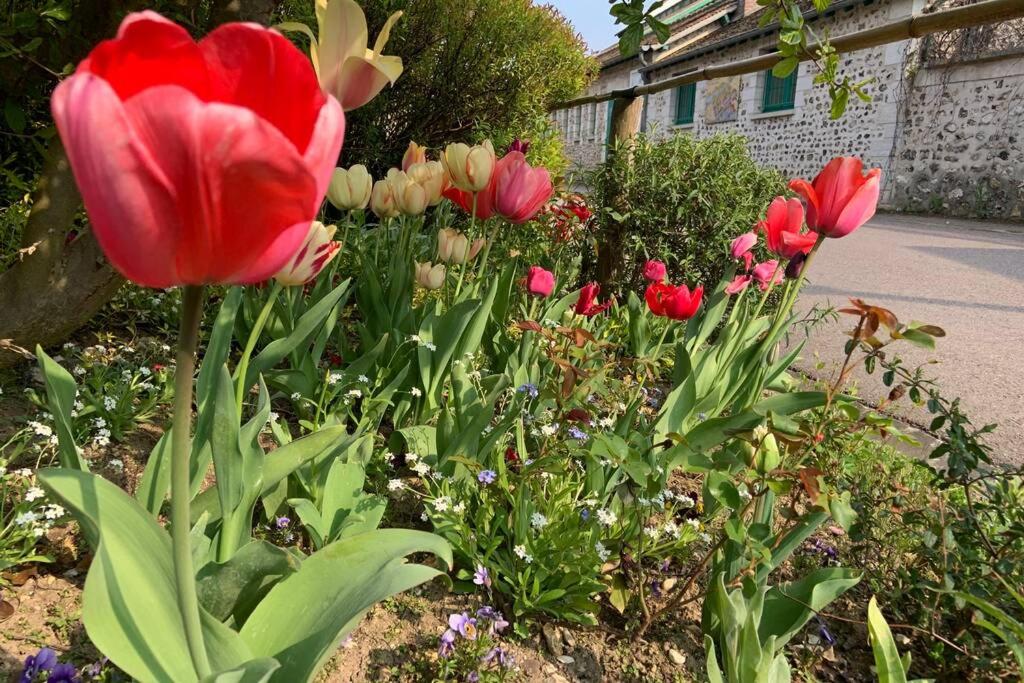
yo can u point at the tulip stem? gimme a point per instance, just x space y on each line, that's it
469 245
250 345
181 451
487 249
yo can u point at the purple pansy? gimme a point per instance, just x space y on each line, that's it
44 660
463 624
481 577
487 477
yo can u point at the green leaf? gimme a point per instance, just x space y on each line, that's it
304 617
234 588
785 613
60 397
629 40
14 116
840 98
253 671
129 605
919 338
888 665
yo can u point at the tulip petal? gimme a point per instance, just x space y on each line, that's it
860 207
836 184
343 32
259 69
325 147
806 190
149 50
218 158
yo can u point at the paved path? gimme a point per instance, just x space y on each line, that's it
964 276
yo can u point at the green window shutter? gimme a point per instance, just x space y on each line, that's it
779 93
686 97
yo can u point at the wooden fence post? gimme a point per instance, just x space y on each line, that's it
625 124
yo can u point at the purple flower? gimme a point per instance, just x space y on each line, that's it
63 673
472 677
44 660
497 619
530 390
487 477
282 522
519 146
577 433
463 624
825 634
497 653
96 668
481 577
447 643
584 514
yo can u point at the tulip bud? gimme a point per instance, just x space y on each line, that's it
540 282
517 145
796 266
429 276
316 252
410 196
768 457
382 200
431 176
655 271
414 154
454 247
469 168
350 189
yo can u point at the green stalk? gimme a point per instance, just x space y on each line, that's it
181 451
791 298
254 336
487 249
469 245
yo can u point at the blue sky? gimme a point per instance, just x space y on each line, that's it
591 19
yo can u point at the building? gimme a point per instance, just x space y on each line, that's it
945 122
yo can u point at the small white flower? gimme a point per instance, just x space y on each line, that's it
395 485
334 378
429 346
685 502
415 338
99 422
116 464
550 429
459 508
26 518
165 347
144 371
38 532
620 406
272 417
415 391
442 504
606 517
538 521
23 472
296 396
364 379
705 538
601 551
423 516
421 468
694 523
652 532
78 370
354 393
672 529
54 512
40 429
744 495
520 551
34 493
607 422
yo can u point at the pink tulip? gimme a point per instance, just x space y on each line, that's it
782 226
540 282
738 284
841 198
767 273
198 163
520 190
655 271
743 244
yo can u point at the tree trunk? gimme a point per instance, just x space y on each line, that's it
626 113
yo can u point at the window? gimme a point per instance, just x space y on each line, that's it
779 93
686 97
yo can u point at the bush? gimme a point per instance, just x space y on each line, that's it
681 200
470 65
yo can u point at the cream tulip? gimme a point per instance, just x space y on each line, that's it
316 252
455 247
431 175
350 188
469 168
414 154
410 196
382 200
430 276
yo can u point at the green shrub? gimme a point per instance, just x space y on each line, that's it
681 200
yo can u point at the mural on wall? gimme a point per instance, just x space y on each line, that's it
722 99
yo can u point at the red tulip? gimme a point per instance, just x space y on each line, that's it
782 225
587 303
767 273
540 282
520 190
198 163
743 244
655 271
673 301
484 199
841 198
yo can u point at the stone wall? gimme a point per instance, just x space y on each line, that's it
960 147
947 138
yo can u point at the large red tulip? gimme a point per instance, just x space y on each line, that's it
520 190
782 226
841 198
199 162
484 199
673 301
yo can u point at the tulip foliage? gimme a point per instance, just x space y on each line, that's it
387 327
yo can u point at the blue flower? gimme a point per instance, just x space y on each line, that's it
584 514
487 477
577 433
497 619
823 630
530 390
44 660
63 673
282 522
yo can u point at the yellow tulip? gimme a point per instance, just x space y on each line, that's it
414 154
410 196
430 276
469 168
382 200
431 175
346 67
350 189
